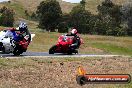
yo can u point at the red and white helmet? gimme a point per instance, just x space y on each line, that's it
74 31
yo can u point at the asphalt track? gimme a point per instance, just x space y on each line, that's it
45 54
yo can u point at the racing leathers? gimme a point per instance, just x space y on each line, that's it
18 36
76 41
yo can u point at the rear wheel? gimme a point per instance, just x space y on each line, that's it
16 53
52 49
76 51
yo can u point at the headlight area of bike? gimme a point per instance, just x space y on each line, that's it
65 39
62 39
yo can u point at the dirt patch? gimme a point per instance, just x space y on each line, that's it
61 74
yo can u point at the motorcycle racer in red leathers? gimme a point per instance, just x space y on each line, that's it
76 39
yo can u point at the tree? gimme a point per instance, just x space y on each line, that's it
7 17
80 19
3 9
33 16
126 10
83 3
111 15
9 2
49 13
63 25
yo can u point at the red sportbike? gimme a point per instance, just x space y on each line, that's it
63 46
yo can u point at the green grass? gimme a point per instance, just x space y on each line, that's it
93 44
43 41
113 49
128 86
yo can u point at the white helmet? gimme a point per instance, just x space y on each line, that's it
74 31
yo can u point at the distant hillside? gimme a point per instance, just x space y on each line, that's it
32 4
91 5
19 6
66 6
19 13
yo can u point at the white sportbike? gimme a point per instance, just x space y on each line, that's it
8 45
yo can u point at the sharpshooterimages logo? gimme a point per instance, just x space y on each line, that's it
83 78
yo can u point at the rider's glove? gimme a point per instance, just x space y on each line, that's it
73 45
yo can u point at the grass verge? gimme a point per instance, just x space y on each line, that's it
93 44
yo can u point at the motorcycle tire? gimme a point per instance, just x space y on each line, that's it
69 53
76 51
17 51
52 49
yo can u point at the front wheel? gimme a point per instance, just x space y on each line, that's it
52 49
17 51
